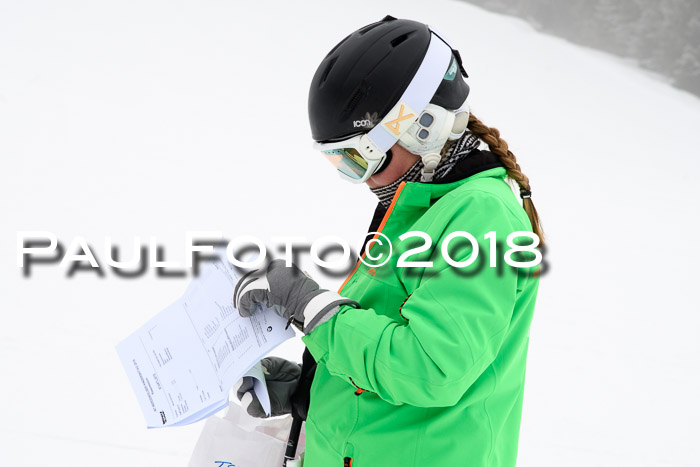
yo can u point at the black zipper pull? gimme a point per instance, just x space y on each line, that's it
347 462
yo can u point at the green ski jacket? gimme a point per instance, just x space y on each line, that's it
430 371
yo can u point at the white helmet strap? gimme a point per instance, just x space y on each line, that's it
430 162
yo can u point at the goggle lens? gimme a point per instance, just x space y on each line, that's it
348 161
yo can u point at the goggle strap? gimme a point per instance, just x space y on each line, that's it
416 97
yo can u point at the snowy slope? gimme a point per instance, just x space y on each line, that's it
155 118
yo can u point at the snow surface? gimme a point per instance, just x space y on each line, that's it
154 118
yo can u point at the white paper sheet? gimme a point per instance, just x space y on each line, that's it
183 362
259 386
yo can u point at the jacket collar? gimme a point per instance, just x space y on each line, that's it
413 195
476 164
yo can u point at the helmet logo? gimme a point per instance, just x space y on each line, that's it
452 70
395 125
366 121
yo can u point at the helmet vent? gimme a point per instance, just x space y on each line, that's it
398 40
369 27
359 93
328 69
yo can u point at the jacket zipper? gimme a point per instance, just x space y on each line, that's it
379 229
347 461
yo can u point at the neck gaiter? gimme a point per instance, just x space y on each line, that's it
458 151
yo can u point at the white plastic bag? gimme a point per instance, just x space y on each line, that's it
238 440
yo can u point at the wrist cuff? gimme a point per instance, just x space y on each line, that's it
322 307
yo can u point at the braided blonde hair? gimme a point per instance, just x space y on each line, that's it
498 146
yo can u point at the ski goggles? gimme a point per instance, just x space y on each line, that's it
356 158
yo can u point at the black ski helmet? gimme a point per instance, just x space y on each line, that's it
366 73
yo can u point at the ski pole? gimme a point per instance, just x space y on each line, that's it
294 433
300 406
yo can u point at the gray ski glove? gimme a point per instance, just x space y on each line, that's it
290 293
281 379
